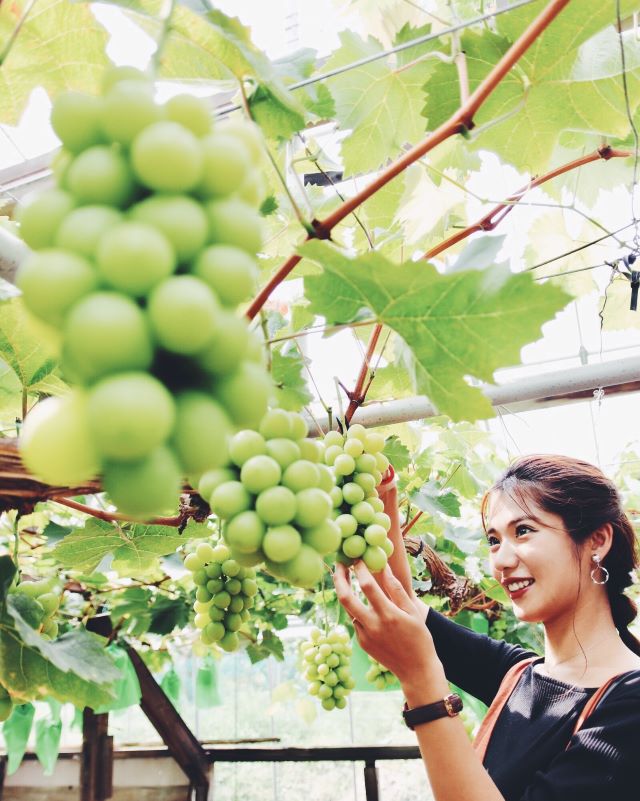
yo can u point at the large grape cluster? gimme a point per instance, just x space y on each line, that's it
224 594
327 667
379 675
141 255
358 465
275 499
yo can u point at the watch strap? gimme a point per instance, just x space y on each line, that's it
450 706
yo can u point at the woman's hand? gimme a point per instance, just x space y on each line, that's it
391 628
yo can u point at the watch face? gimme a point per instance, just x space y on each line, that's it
453 704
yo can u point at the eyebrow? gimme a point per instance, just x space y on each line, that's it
512 523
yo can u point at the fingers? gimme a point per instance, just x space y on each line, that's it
372 590
353 605
395 591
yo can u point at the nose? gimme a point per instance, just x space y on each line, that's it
502 559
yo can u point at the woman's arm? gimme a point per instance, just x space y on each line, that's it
391 630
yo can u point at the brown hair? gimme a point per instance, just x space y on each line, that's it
585 499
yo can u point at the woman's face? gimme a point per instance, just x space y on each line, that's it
532 544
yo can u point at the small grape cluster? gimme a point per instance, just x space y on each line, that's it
45 595
379 675
141 256
358 465
224 595
275 499
327 661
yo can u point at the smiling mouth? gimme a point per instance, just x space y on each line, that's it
517 588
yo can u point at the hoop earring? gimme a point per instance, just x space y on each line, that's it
598 566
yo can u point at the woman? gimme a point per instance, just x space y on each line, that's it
564 550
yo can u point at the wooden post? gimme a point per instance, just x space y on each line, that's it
96 768
182 745
371 781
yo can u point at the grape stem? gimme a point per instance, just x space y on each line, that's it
460 122
111 517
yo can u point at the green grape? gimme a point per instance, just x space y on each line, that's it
167 157
354 447
375 535
183 313
50 630
56 443
334 438
325 538
212 479
254 189
229 345
130 414
52 281
376 502
284 451
366 463
276 424
313 507
281 543
233 222
363 512
106 332
366 481
311 450
352 493
347 524
301 475
336 497
246 444
226 163
358 431
299 427
49 601
247 132
127 109
229 271
76 120
201 432
276 506
373 442
190 112
230 641
82 228
375 558
305 569
332 453
382 463
245 393
41 216
382 519
180 218
113 75
100 175
259 473
133 257
244 532
327 479
387 547
144 487
321 654
344 465
354 546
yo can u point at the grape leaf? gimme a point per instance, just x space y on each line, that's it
432 499
60 46
397 453
568 80
135 548
468 323
288 371
380 105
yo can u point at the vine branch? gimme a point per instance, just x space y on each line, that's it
460 122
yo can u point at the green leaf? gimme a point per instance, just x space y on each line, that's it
380 105
432 499
60 46
479 254
288 371
48 733
397 453
135 548
16 731
268 645
469 323
8 571
569 80
24 350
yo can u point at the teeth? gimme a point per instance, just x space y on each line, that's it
519 585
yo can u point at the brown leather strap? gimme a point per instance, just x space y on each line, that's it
507 686
591 705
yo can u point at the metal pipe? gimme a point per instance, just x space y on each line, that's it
526 394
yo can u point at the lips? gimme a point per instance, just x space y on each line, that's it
517 586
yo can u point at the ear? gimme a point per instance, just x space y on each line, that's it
600 541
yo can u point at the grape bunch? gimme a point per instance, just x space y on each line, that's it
379 675
46 596
6 704
327 667
142 254
358 464
275 499
224 595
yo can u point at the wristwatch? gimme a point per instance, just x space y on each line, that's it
448 707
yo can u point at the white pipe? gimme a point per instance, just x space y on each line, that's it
532 392
12 252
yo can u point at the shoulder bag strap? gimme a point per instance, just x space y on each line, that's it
591 705
507 686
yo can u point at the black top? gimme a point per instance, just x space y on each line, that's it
526 756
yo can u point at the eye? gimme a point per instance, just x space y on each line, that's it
522 529
492 540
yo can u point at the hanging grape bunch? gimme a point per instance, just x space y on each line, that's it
275 499
379 675
224 594
327 667
45 597
358 464
142 253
